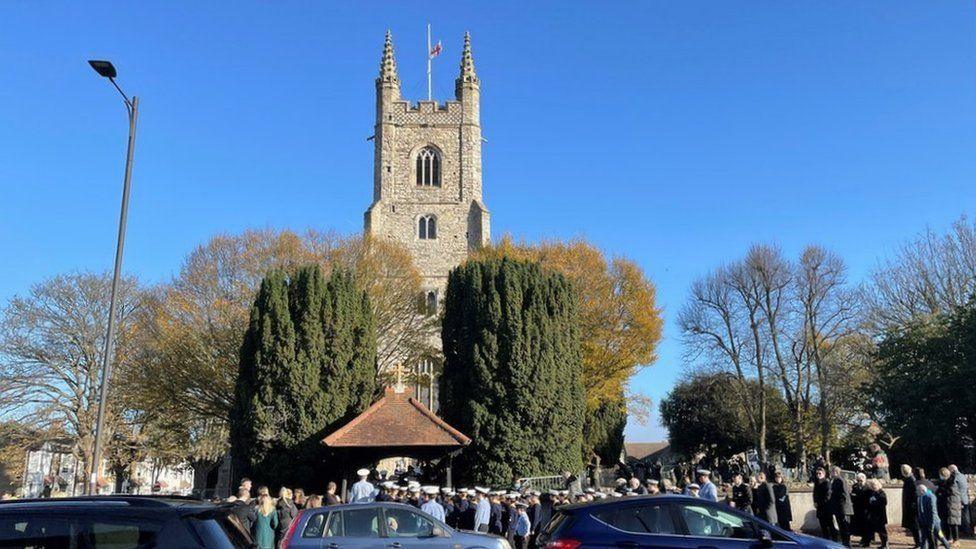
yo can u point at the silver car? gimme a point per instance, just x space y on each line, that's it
380 526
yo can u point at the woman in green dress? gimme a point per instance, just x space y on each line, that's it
266 523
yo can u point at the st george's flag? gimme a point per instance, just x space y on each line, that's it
436 50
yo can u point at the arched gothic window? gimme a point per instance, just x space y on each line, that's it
427 227
428 167
430 305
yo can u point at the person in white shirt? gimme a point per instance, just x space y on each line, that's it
363 491
482 512
430 505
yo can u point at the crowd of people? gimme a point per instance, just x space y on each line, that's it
934 512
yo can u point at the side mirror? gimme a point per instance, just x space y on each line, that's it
437 532
765 538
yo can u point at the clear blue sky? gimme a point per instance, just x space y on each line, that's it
676 133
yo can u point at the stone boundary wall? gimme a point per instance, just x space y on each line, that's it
805 516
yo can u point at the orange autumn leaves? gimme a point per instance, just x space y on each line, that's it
620 322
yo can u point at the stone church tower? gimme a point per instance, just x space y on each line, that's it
427 175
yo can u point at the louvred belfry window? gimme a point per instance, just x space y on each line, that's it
428 167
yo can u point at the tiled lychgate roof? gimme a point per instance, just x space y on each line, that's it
396 420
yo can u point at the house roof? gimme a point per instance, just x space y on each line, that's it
396 420
641 450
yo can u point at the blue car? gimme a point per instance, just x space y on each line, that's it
666 522
380 525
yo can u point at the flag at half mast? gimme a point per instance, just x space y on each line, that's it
432 52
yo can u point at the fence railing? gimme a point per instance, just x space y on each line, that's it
542 484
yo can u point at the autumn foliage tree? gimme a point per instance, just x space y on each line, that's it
620 327
194 324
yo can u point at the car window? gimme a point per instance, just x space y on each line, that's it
639 519
315 526
716 523
405 523
53 531
334 530
361 523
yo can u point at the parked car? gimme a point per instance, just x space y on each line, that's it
666 522
119 522
380 525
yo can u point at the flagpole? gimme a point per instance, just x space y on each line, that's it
430 93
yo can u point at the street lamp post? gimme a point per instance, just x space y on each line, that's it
107 70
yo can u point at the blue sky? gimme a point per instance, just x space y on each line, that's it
675 133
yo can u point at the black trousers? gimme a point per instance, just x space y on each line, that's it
827 530
844 527
520 542
870 531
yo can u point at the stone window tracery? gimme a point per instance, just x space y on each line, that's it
428 167
427 227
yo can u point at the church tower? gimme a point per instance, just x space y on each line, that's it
427 173
427 184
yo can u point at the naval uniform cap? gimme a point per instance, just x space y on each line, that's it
430 490
512 495
363 472
521 505
472 491
413 484
705 472
480 490
694 486
653 482
535 493
553 492
414 489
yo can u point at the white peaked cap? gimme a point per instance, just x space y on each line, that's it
430 490
480 490
363 472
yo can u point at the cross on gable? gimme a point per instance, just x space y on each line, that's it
399 371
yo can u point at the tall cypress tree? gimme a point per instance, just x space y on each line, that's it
512 370
308 364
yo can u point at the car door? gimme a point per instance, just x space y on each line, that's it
712 527
312 530
407 529
356 528
644 524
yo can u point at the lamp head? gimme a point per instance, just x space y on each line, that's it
103 68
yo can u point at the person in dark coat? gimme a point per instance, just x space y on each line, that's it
950 499
287 511
909 502
741 494
534 512
859 502
821 502
330 495
875 514
244 511
840 504
784 511
765 499
495 518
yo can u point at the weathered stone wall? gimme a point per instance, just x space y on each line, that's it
805 516
402 131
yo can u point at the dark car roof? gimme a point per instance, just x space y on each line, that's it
609 502
156 503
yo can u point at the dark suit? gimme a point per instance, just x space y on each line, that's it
765 502
841 508
909 506
821 500
784 511
742 497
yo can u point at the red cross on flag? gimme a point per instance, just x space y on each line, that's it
436 50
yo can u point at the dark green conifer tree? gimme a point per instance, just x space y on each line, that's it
512 370
308 365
